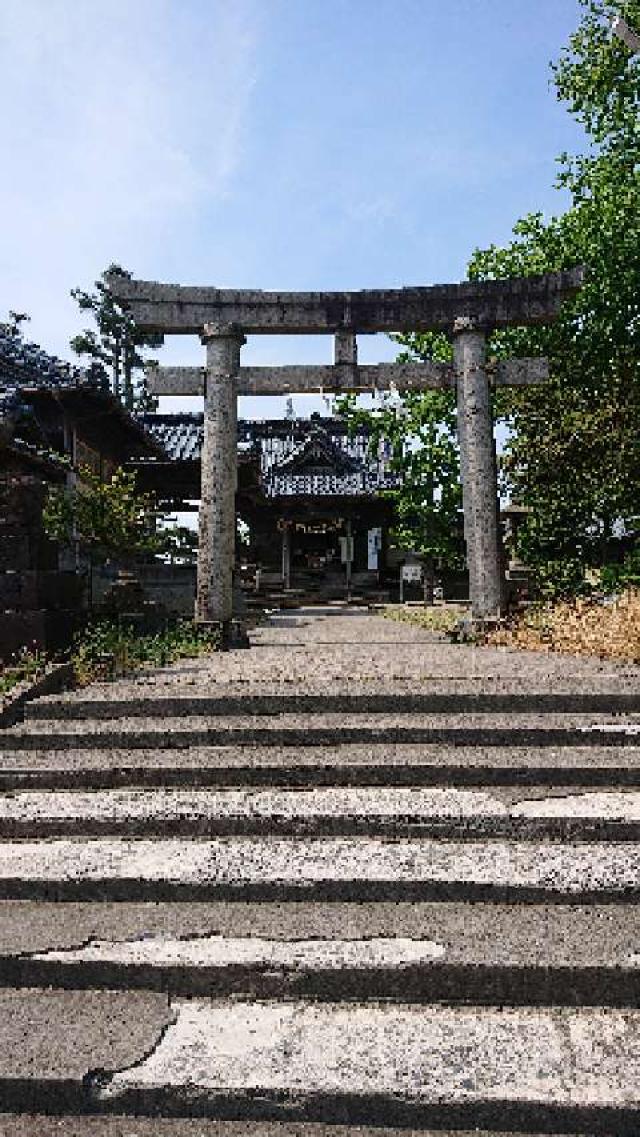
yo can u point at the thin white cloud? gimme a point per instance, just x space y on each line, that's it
119 121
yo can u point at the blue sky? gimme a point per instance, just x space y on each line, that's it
291 144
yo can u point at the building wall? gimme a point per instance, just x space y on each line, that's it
171 586
40 606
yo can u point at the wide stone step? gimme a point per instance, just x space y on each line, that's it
326 729
480 953
373 764
72 1125
564 813
250 702
408 1065
281 868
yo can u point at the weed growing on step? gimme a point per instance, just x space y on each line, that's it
25 665
432 619
110 649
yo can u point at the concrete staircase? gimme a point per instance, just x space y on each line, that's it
321 915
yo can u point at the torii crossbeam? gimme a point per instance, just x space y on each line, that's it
468 312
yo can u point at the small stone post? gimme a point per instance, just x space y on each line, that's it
479 471
217 518
286 556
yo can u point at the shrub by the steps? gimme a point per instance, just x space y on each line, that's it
109 649
26 664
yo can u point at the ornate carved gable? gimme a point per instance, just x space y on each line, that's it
317 454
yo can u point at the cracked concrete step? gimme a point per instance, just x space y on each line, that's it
250 702
376 763
480 953
30 1125
281 868
326 729
69 1125
548 1068
563 812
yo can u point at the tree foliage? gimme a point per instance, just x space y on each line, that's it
418 435
574 451
179 544
114 346
13 326
109 518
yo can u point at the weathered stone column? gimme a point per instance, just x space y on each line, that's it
479 471
217 518
286 556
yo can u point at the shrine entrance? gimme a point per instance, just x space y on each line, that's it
314 547
467 312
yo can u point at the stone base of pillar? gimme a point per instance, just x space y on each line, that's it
229 633
473 629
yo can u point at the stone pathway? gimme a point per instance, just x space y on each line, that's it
353 876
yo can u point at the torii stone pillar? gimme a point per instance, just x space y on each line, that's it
470 309
217 518
479 472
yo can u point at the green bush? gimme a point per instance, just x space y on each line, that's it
617 577
27 665
108 649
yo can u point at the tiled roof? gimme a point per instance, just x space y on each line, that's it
297 457
24 364
28 372
180 435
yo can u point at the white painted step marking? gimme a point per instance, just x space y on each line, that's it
559 868
166 804
426 1054
609 805
219 951
611 728
133 805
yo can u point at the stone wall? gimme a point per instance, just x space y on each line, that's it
173 587
40 606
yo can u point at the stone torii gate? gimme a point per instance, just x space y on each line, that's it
222 318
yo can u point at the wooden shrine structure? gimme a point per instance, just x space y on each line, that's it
311 492
468 312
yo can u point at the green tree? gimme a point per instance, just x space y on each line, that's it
573 453
419 433
574 449
106 518
179 543
114 346
13 326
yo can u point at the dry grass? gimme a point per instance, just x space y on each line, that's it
578 627
436 618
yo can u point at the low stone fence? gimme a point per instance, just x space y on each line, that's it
171 586
56 677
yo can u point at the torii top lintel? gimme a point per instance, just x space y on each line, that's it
185 309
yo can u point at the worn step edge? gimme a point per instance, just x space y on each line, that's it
374 703
104 770
282 868
410 811
368 1064
516 935
467 829
164 737
352 1112
72 1125
298 970
375 764
390 1064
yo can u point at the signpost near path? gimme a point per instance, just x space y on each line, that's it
468 312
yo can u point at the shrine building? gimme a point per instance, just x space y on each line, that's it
310 494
